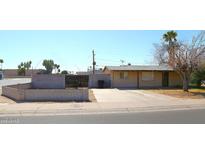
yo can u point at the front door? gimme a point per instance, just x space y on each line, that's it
165 79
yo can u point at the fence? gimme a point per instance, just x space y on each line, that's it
95 78
76 80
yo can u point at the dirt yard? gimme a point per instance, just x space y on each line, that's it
5 100
192 94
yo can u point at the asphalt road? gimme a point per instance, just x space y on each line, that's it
196 116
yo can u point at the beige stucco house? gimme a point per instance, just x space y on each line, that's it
138 76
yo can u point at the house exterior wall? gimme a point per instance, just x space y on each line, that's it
93 80
106 71
156 82
174 79
132 80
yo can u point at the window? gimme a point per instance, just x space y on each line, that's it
123 75
147 76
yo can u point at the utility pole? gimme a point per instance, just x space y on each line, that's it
94 63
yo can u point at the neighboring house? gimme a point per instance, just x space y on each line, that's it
95 78
90 72
82 73
146 76
13 73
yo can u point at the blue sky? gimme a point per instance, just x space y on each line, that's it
72 49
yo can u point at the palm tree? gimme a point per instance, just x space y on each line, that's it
1 62
27 65
171 38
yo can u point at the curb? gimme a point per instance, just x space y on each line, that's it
98 111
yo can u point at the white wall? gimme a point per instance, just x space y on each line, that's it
93 80
43 81
80 94
21 93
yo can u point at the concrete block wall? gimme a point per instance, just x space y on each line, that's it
93 80
22 86
13 93
23 93
43 81
57 94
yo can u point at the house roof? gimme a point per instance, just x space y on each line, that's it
89 72
139 68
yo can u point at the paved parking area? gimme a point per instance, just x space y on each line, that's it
13 81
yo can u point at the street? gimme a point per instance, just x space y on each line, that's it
160 117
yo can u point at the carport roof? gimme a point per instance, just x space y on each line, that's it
139 68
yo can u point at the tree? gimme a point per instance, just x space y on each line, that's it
21 71
198 76
57 68
171 38
50 66
1 62
27 65
23 67
183 57
64 72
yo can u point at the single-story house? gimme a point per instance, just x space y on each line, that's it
142 76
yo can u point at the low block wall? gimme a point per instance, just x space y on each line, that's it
44 81
13 93
21 86
56 94
22 92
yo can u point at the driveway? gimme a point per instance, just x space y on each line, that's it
116 95
139 98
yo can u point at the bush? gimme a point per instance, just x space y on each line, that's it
64 72
21 71
198 76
